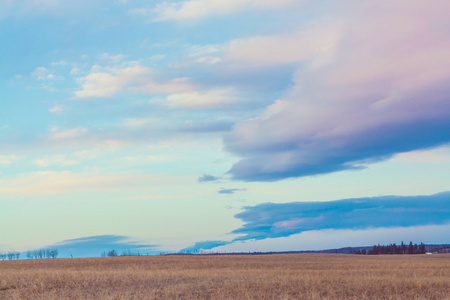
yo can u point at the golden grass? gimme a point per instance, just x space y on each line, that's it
281 276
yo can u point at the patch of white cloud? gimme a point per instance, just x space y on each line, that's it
111 58
60 182
57 109
60 160
59 63
194 9
203 100
106 82
63 134
7 159
314 46
42 74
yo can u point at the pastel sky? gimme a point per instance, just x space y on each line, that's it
237 125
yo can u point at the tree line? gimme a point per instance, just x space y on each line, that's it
10 255
42 253
395 249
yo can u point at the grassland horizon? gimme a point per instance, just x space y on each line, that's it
276 276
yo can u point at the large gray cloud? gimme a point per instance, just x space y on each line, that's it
380 89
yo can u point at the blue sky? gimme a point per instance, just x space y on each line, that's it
170 125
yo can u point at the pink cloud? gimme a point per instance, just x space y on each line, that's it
384 91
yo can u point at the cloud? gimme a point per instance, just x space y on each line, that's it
107 82
275 220
55 160
93 246
271 220
312 46
7 159
42 74
58 182
379 89
231 191
111 58
207 178
195 9
203 245
216 98
57 109
58 134
340 238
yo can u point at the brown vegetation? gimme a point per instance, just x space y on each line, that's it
281 276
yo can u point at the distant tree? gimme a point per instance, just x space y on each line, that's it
410 248
403 248
11 255
422 248
53 253
112 253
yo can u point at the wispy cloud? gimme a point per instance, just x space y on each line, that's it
195 9
42 74
7 159
58 182
55 160
230 191
106 82
207 178
211 99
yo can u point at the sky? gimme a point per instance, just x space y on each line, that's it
225 126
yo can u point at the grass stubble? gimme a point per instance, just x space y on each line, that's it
277 276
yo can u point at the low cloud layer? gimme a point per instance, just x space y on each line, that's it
375 87
275 220
94 246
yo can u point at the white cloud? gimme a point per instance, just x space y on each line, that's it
109 81
315 46
58 182
57 134
194 9
110 58
42 74
203 100
7 159
55 160
57 109
59 63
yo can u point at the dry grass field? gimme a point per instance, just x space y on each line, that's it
280 276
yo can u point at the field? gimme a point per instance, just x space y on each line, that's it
280 276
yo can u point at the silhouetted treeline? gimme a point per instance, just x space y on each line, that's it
42 253
10 255
113 253
396 249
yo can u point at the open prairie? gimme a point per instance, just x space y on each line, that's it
278 276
